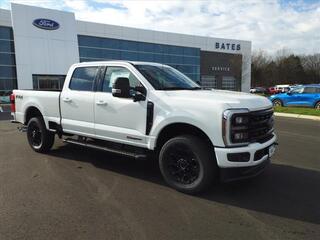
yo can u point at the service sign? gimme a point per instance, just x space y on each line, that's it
46 24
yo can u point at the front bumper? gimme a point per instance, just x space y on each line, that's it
252 149
239 173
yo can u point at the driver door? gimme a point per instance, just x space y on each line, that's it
119 119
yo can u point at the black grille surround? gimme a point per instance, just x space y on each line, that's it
257 126
260 127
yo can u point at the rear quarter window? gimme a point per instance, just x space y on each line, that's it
83 78
311 90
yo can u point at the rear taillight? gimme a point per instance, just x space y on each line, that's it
13 103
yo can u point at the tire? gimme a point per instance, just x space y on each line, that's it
188 164
317 106
40 139
277 103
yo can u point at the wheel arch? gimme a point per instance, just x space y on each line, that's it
278 99
31 112
175 129
316 102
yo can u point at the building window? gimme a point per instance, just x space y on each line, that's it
83 78
185 59
46 82
8 76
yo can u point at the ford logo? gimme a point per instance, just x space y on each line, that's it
46 24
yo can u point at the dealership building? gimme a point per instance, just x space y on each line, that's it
38 45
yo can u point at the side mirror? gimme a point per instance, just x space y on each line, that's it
121 88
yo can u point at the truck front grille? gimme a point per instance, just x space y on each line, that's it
261 125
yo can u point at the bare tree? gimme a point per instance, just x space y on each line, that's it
284 68
311 64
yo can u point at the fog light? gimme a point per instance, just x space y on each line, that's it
239 157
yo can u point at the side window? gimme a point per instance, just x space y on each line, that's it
297 90
309 90
113 73
83 78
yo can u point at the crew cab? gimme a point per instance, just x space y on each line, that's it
141 109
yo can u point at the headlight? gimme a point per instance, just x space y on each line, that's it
240 120
235 126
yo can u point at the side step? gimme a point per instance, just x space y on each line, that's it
126 153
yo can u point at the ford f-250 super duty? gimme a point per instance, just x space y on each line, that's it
137 108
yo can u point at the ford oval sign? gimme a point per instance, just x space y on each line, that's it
46 24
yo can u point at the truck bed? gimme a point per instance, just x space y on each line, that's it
46 101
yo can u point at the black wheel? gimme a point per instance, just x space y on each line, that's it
39 138
317 106
277 103
188 164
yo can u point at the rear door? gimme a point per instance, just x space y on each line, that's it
119 119
77 102
308 96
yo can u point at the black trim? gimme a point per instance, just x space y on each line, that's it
259 128
99 84
150 108
134 138
239 173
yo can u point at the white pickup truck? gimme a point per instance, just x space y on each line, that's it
138 108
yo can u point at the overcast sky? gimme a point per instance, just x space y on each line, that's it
269 24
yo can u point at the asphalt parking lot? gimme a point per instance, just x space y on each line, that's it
77 193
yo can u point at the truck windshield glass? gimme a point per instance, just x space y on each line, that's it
166 78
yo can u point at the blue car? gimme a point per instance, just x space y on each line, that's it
302 96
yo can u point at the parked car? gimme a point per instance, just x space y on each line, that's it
138 108
272 90
258 90
302 96
282 88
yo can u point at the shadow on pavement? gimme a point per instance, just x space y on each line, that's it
285 191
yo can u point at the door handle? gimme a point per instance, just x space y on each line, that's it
101 102
67 99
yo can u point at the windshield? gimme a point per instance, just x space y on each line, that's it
166 78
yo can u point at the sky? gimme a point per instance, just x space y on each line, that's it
270 24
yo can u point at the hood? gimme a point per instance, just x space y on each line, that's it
221 97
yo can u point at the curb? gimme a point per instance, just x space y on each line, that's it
316 118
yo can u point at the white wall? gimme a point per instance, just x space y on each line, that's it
40 51
5 18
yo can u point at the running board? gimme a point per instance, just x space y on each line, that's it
107 149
